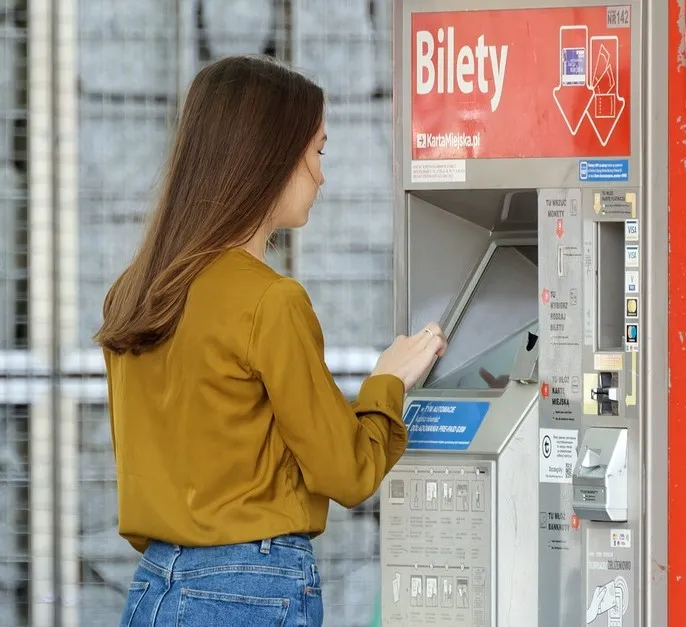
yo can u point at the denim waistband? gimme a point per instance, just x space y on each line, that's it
167 556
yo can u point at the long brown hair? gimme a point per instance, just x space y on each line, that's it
245 126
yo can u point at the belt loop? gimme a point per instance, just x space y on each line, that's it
266 547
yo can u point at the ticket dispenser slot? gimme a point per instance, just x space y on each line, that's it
459 512
525 369
600 478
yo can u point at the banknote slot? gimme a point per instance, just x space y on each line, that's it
610 285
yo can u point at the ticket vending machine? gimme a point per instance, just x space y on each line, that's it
523 223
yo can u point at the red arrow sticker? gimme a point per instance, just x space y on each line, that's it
560 229
545 296
545 390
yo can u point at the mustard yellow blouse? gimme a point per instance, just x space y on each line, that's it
234 430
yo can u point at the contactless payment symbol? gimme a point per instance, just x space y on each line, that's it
632 334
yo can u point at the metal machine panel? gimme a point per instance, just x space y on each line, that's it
441 516
560 358
517 526
593 240
439 269
438 543
509 283
506 412
612 551
532 21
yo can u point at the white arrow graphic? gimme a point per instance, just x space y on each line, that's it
568 96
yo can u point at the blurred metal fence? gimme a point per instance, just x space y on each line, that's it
89 90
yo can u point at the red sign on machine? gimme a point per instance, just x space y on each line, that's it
521 83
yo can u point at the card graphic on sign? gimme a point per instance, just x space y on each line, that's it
608 104
573 103
574 48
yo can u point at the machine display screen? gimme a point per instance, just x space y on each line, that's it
503 308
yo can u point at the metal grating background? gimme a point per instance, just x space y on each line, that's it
123 67
14 412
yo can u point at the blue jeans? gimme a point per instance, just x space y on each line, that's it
273 583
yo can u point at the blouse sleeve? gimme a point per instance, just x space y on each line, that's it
344 451
110 406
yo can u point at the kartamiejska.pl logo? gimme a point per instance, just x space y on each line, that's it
447 140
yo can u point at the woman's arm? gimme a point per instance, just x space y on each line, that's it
343 451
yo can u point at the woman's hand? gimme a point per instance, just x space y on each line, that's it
408 358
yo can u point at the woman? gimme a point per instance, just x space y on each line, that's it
229 433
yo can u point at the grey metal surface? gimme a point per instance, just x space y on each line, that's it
509 283
517 524
438 542
561 338
507 409
410 535
612 578
653 368
600 475
491 209
625 361
572 315
442 251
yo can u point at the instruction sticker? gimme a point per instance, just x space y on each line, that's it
620 538
604 170
443 425
439 171
557 455
614 362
